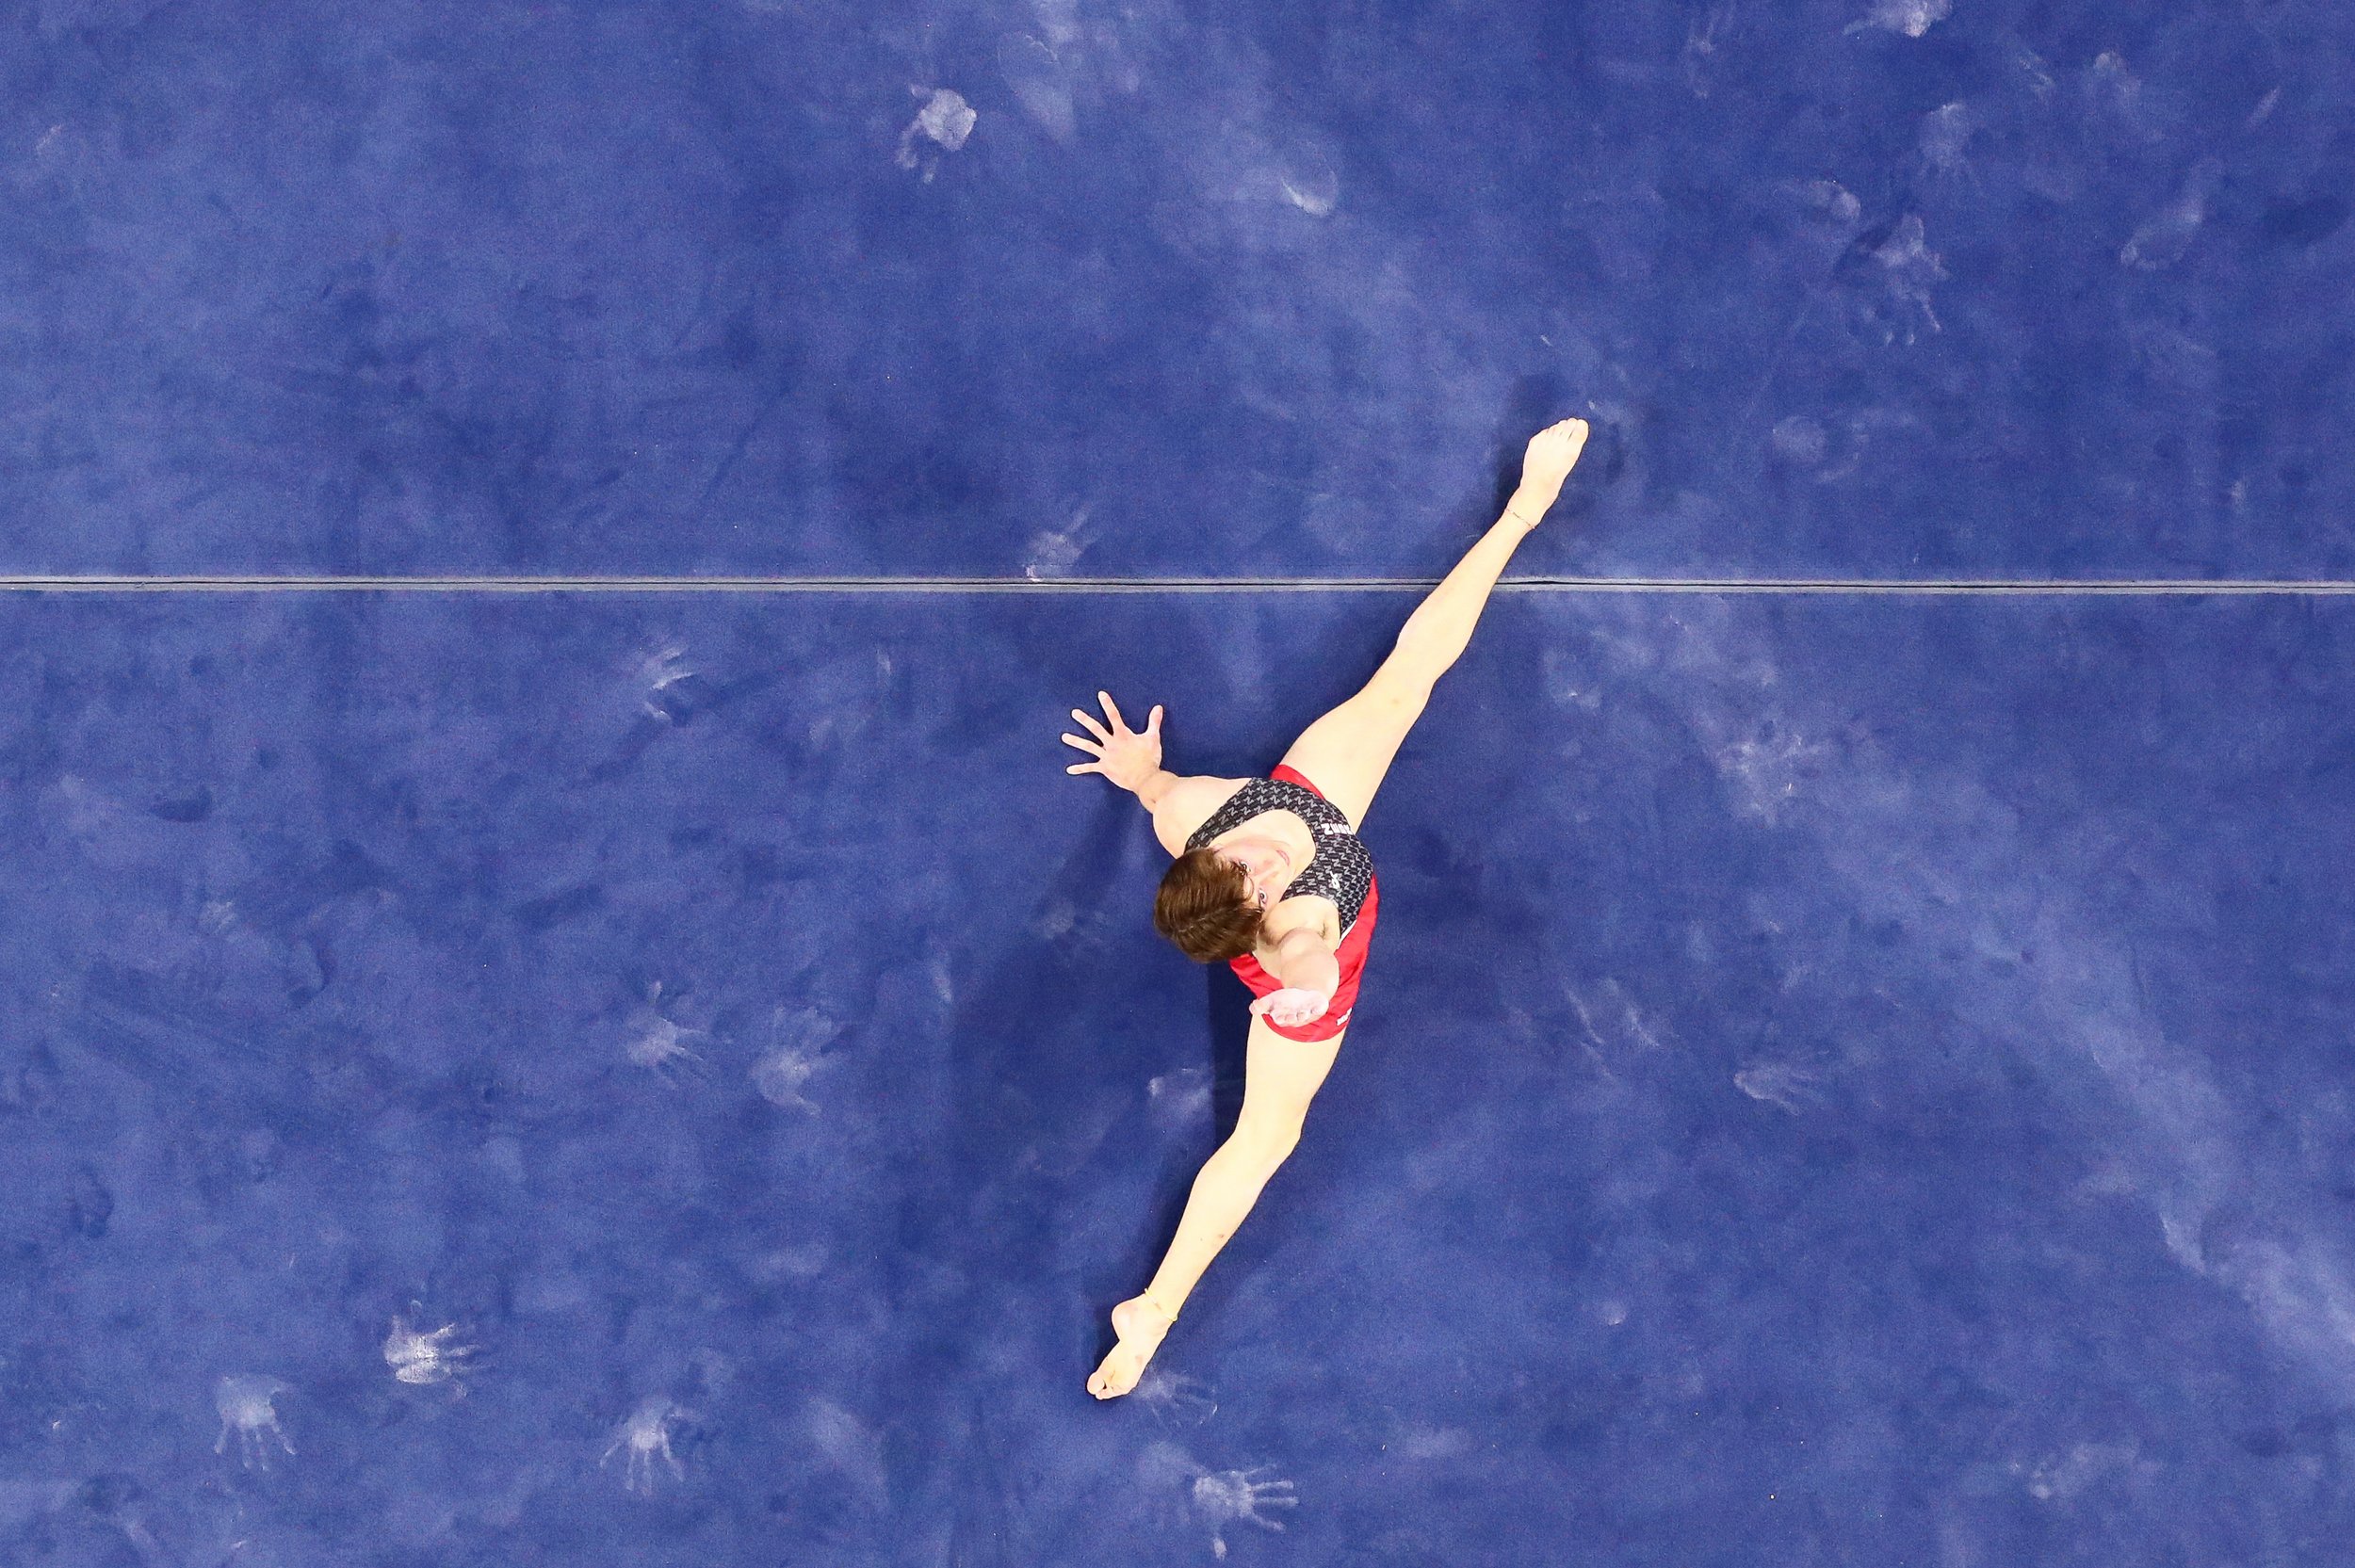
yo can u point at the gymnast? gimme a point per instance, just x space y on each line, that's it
1269 876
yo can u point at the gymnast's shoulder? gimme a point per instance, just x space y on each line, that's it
1184 802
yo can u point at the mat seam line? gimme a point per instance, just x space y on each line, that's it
813 584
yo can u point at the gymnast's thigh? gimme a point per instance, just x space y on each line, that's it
1347 753
1280 1076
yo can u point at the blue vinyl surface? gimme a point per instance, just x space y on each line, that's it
1886 288
1850 1092
680 1078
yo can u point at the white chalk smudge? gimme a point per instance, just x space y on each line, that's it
1180 1100
1830 201
2113 93
246 1402
2037 69
2162 241
1787 1085
1767 769
1255 176
1227 1498
945 121
1063 922
2111 85
1215 1498
1175 1398
2170 358
1058 20
1571 680
645 1437
1800 440
779 1077
806 1261
1944 137
1039 83
426 1358
1910 267
1052 552
1590 1044
1701 45
2061 1477
797 1040
90 815
1419 1440
1833 453
658 1043
1612 1028
1637 1027
946 118
1308 182
1833 201
850 1448
1050 555
658 671
1910 17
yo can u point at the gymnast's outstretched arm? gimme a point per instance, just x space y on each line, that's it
1132 759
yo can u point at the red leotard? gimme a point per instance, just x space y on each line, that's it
1351 954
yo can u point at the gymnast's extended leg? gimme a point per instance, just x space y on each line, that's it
1347 752
1280 1077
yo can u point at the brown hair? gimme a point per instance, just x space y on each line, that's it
1205 907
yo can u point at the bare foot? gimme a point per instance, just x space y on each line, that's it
1140 1321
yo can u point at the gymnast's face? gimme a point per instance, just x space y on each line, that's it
1266 864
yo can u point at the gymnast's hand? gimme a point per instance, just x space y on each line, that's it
1126 757
1292 1006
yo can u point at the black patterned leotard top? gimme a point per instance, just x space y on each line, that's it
1339 870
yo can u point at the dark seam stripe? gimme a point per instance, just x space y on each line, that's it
2157 587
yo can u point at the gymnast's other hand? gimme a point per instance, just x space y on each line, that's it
1126 757
1292 1006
